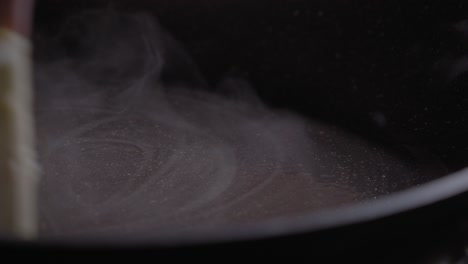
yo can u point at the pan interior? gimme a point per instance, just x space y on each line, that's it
150 127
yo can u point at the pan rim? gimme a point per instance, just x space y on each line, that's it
426 194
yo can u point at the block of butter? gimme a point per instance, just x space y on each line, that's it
18 167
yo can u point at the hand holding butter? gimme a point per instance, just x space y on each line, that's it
18 168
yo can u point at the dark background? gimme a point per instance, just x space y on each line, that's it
345 62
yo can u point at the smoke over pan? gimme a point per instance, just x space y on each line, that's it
133 141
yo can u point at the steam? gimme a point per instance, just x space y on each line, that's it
127 150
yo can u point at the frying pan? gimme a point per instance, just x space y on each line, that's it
340 62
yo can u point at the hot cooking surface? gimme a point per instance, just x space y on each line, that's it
146 129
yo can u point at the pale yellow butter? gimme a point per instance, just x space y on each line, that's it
18 167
